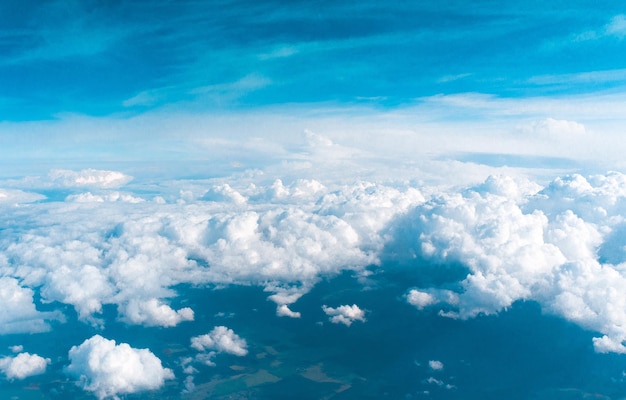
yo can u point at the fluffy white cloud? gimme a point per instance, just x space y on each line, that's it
23 365
17 348
560 245
435 365
98 249
420 299
107 369
222 340
541 246
154 313
283 310
345 314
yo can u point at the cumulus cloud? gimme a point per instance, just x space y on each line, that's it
283 310
420 299
23 365
110 248
154 313
559 245
107 369
345 314
221 339
435 365
542 246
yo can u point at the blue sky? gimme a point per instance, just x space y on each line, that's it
100 57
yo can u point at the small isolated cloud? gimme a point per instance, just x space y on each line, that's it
222 340
435 365
101 366
23 365
16 349
88 178
420 299
345 314
283 310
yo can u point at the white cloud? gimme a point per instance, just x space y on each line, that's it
17 348
435 365
88 178
152 312
13 196
283 310
517 240
540 246
88 197
345 314
222 340
420 299
23 365
18 313
101 366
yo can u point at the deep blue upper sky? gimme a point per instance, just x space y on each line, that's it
104 57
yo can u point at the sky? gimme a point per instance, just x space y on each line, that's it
312 199
88 80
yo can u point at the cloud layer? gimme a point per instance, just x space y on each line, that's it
559 244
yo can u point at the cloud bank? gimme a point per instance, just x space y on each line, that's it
559 244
